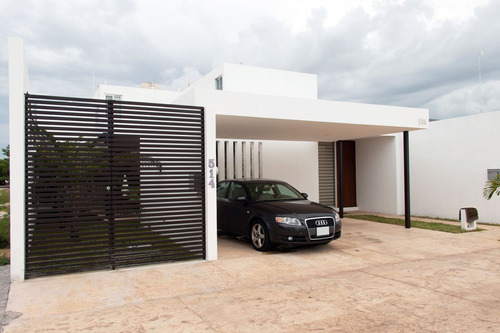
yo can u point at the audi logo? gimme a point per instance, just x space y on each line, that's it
319 223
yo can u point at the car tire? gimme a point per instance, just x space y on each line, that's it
259 236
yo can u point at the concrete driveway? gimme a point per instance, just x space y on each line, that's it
377 278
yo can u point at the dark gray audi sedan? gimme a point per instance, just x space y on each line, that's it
273 213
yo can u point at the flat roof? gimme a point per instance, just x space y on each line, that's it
261 117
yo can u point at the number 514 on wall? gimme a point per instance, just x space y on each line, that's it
211 171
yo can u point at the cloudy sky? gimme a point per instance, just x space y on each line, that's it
416 53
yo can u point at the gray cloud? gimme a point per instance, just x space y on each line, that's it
386 56
392 57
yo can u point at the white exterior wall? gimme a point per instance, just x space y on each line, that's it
449 165
186 98
255 80
18 85
263 81
137 94
379 178
294 162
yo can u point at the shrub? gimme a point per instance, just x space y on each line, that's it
4 260
4 196
491 188
5 231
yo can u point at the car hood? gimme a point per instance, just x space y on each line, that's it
294 207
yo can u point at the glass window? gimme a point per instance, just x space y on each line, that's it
274 191
236 190
218 83
288 192
113 97
222 189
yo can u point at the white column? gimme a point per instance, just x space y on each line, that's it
18 85
210 185
399 167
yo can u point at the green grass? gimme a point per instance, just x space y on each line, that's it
4 226
414 223
4 196
4 260
438 218
4 231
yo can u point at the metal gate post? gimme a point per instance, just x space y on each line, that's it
406 146
109 188
341 179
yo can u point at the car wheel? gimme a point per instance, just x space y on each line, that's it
260 236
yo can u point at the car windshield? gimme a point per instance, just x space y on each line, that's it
273 192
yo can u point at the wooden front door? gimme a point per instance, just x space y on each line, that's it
349 171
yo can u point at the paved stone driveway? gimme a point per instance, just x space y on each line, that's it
376 278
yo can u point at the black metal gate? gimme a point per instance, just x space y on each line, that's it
112 184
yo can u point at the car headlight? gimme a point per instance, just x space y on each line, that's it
337 217
288 220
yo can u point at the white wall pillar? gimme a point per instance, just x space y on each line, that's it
399 176
18 85
210 185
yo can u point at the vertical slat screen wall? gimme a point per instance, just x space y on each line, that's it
112 184
326 155
239 159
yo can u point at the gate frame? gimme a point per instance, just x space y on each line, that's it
18 86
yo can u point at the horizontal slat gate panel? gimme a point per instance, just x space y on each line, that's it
112 184
326 160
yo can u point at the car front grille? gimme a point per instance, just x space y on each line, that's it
320 227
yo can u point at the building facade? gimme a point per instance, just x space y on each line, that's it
279 113
257 123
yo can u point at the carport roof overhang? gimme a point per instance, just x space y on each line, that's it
253 128
261 117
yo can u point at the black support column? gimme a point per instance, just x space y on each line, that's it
341 179
406 148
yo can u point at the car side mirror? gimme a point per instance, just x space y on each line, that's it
305 195
242 199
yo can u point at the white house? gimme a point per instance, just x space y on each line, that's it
279 111
260 123
296 131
